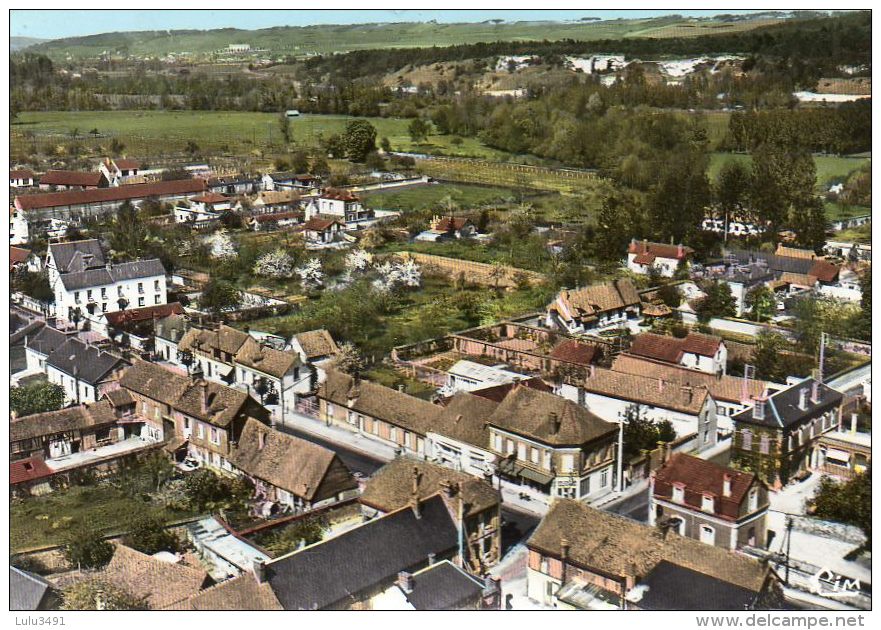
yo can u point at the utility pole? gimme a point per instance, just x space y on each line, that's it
788 545
620 474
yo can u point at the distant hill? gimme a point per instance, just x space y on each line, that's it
20 43
323 39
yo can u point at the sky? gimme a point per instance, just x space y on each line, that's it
53 24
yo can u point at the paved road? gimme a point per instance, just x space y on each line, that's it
635 507
356 461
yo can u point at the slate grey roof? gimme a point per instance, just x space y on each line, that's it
26 590
47 340
778 264
16 322
28 330
71 256
444 586
91 363
673 587
172 328
116 273
782 408
331 573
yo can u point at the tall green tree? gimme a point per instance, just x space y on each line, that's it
760 303
38 397
719 302
359 139
418 130
128 235
847 502
766 356
731 189
808 221
284 125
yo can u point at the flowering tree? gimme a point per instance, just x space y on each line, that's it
311 274
222 246
275 264
358 260
398 275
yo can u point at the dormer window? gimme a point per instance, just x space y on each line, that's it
678 493
708 504
753 500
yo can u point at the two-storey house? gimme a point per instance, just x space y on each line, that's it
552 444
610 394
72 180
205 419
587 559
341 204
594 307
21 178
644 257
86 372
776 438
713 504
86 285
695 351
394 485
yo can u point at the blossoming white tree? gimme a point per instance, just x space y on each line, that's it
311 274
275 264
397 275
358 260
222 246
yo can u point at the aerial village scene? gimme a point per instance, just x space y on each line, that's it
430 309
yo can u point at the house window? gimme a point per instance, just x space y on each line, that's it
89 294
186 420
141 302
119 291
407 439
521 452
103 293
567 463
76 297
155 285
201 431
393 434
510 447
350 416
753 500
708 535
604 478
498 439
158 299
678 494
104 307
764 444
707 503
534 455
548 460
140 287
747 438
215 437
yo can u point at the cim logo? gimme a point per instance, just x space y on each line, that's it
827 583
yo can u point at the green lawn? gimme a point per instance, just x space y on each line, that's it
838 211
862 234
42 521
147 133
829 167
465 196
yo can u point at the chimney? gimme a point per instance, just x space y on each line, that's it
726 485
431 559
803 398
405 581
555 422
447 488
815 392
591 370
203 398
660 385
680 251
414 493
259 570
261 440
853 423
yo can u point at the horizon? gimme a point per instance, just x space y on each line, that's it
61 24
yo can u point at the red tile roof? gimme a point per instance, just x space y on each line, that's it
644 258
318 224
671 349
127 164
118 318
71 178
700 477
824 271
661 250
497 393
21 174
100 195
573 351
29 469
17 255
340 194
210 197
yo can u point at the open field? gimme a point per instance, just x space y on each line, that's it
862 234
464 196
289 40
42 521
829 167
151 133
